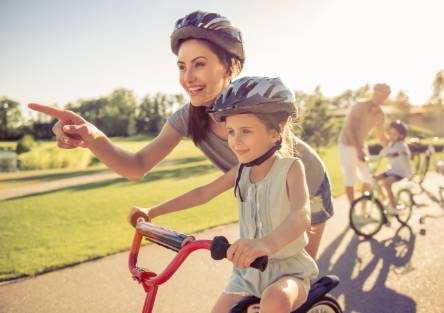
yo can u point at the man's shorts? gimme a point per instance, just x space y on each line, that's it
351 166
322 203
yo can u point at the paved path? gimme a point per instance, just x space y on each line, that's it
21 191
397 271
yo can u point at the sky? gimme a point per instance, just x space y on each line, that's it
59 51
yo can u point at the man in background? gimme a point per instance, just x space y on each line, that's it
360 120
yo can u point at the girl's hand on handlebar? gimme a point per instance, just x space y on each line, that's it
244 251
71 130
137 213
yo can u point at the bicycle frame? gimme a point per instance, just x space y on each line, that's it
150 280
180 243
184 245
375 189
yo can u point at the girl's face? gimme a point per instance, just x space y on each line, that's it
394 135
201 73
248 137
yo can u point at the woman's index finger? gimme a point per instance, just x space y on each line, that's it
60 114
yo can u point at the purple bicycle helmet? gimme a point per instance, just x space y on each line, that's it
209 26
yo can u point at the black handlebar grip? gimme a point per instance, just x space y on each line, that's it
260 263
219 248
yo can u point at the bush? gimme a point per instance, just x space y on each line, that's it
8 160
53 157
25 144
416 131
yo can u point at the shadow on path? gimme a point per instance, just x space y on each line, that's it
363 280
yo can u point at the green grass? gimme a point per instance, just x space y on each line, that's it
330 156
53 230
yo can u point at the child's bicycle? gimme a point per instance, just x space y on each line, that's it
421 158
318 299
368 213
417 182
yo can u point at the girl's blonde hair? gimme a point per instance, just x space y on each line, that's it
283 124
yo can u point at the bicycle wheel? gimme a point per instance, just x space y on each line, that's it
404 201
423 169
416 162
327 304
366 216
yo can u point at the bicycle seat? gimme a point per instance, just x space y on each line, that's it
317 290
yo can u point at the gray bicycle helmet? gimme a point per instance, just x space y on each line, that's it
209 26
400 127
253 95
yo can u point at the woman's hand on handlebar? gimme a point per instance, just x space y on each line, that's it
244 251
71 129
137 213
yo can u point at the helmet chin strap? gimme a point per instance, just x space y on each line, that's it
276 147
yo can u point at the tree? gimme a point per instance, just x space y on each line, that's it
119 113
438 89
349 97
10 117
114 114
154 110
402 106
318 127
93 110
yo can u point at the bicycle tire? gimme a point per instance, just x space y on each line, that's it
404 199
416 163
423 169
366 216
327 304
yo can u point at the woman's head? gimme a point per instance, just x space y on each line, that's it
265 103
202 73
210 53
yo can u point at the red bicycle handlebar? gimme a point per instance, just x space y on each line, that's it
180 243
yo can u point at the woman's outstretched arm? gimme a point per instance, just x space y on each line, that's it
74 131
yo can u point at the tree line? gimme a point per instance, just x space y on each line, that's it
120 114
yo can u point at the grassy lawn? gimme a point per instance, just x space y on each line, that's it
53 230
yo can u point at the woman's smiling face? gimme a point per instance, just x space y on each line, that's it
201 73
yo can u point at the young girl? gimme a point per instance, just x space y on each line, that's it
272 194
398 153
210 53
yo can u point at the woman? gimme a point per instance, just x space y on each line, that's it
210 54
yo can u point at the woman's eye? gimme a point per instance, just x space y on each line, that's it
200 64
246 131
230 132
